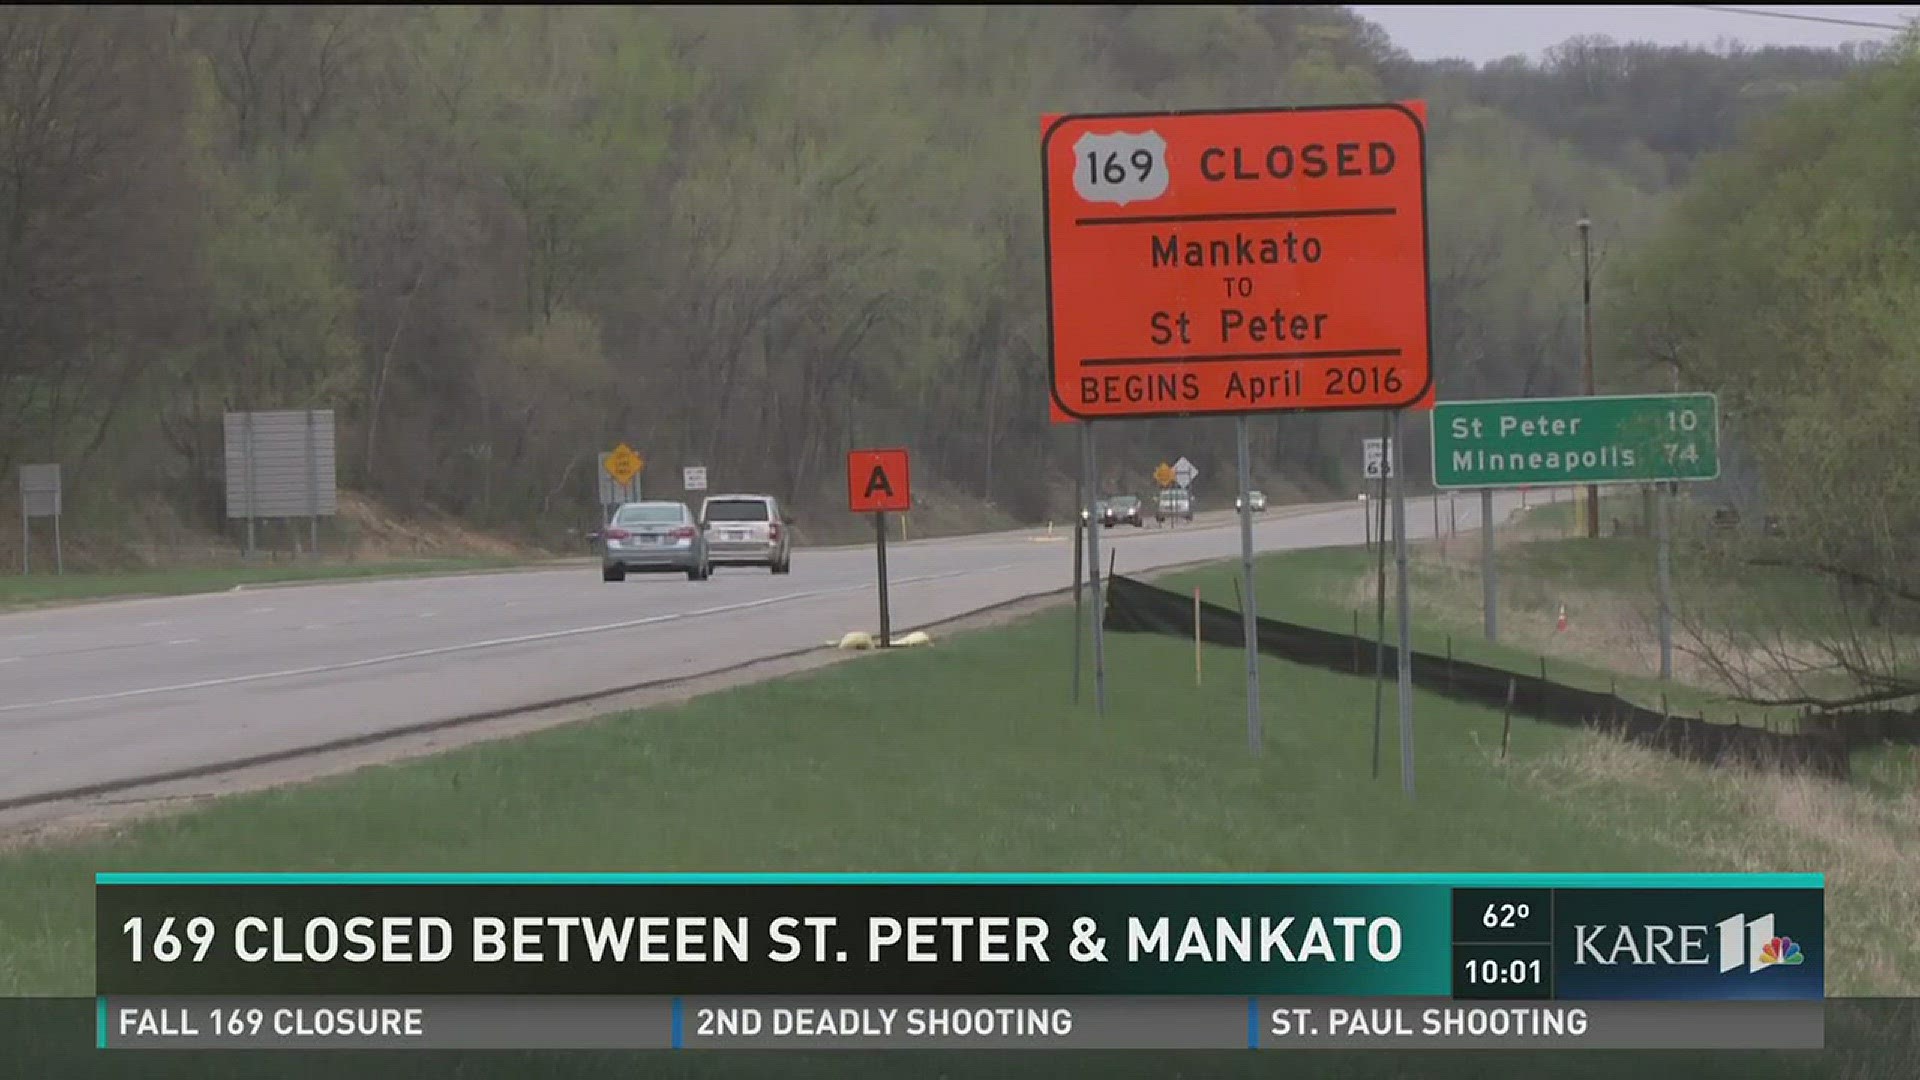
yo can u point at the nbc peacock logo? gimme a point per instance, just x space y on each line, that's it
1781 950
1752 943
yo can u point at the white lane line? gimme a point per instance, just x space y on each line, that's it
9 659
445 650
426 615
155 622
260 611
184 641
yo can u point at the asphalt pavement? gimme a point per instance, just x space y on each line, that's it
112 693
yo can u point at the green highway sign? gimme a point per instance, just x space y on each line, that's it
1625 439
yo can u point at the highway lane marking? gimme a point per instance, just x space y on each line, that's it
184 641
491 643
9 659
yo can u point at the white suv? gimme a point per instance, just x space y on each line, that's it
747 530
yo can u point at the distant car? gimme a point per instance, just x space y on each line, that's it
1124 509
1725 520
1256 499
653 536
1173 504
1099 508
747 530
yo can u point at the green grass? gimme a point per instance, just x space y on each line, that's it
39 588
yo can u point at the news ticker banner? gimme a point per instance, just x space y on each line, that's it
944 961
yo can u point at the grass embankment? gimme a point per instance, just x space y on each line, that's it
32 590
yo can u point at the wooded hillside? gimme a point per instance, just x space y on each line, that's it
496 240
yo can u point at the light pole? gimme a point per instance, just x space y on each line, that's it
1586 303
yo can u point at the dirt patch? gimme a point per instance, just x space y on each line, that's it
373 532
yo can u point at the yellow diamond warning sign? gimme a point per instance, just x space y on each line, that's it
623 464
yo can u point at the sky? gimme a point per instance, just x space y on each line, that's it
1482 33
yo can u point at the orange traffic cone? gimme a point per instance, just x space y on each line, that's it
1561 625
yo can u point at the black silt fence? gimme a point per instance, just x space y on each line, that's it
1136 607
1863 726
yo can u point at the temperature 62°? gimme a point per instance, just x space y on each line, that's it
1505 915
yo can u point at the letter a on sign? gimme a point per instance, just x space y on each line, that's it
877 480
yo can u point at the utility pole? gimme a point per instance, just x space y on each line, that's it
1586 304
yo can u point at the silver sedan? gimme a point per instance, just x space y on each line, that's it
653 536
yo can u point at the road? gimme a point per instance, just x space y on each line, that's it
104 695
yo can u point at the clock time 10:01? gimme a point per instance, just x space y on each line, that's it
1488 972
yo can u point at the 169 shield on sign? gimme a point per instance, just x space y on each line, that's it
1237 262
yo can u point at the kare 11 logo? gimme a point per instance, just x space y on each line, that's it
1773 954
1743 942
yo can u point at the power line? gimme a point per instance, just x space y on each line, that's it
1827 19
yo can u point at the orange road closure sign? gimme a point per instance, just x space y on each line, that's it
877 481
1235 262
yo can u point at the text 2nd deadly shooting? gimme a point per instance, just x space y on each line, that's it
1259 309
819 939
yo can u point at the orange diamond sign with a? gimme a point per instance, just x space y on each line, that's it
1237 261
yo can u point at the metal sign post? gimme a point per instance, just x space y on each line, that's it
1378 467
1406 650
313 489
253 488
880 552
1663 522
1093 569
1079 553
1249 621
1487 570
